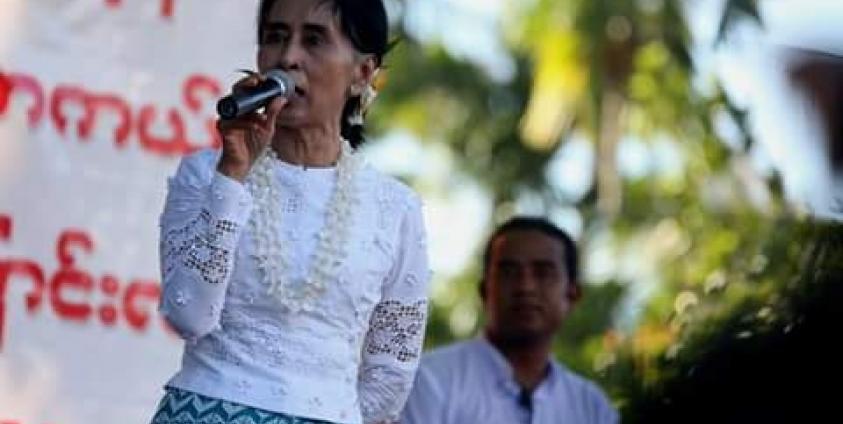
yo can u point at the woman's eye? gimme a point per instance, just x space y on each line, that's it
272 37
313 40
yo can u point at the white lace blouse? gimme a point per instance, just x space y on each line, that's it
352 358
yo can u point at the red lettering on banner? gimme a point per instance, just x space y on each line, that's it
10 83
138 294
68 277
15 267
194 85
10 422
167 8
94 104
110 286
5 92
5 227
197 90
136 304
175 143
61 95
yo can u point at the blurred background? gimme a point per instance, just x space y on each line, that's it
694 149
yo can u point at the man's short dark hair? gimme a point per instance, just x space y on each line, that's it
542 225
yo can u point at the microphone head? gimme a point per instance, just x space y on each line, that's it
227 108
282 79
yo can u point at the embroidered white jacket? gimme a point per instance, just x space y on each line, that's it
350 360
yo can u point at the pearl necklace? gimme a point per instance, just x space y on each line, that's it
300 295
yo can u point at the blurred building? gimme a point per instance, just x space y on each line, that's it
819 76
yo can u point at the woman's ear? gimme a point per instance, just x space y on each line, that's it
364 72
574 292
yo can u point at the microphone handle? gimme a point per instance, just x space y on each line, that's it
235 105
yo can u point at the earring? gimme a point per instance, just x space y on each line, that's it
367 96
356 118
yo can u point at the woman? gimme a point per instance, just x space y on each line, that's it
296 274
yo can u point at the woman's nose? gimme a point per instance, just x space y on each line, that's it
291 56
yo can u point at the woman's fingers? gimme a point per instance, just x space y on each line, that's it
245 137
273 109
245 83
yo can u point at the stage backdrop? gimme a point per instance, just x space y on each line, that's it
98 100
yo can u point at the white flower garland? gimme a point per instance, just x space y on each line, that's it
332 239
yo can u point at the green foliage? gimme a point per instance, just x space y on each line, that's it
724 257
758 354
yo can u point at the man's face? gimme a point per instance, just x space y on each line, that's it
526 286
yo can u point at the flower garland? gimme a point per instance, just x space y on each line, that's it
332 243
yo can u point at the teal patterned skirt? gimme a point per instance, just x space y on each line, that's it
183 407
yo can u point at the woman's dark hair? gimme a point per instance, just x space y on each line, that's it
365 23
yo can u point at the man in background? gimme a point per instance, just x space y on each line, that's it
508 375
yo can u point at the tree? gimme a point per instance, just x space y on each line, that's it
717 237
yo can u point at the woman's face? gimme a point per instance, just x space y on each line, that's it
304 38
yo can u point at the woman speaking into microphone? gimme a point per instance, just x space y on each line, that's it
296 274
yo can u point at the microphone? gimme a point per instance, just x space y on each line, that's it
276 83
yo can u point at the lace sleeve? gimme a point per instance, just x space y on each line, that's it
396 328
203 217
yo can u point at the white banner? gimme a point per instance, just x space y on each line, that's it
98 99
